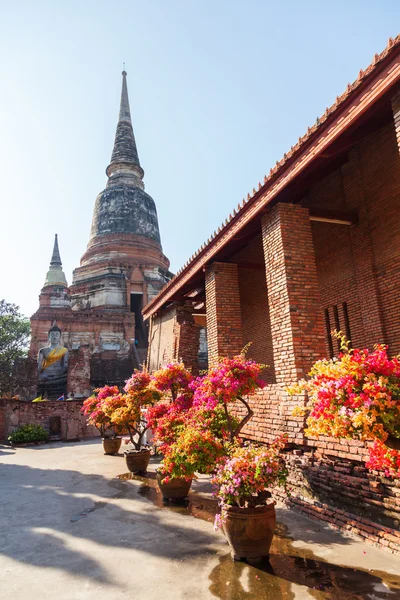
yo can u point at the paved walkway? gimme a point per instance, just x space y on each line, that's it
70 529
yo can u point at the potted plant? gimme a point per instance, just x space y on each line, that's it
357 396
197 427
227 382
167 418
128 414
94 408
247 515
174 379
195 451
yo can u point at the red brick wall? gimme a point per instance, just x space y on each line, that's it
79 372
186 338
360 265
224 319
73 423
327 477
254 305
293 293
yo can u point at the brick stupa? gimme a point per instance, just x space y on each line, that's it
122 269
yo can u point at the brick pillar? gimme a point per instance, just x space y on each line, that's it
363 254
186 339
224 318
295 311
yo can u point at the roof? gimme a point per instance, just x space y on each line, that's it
370 85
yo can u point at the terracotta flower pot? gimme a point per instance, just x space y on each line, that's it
175 489
111 445
137 461
249 531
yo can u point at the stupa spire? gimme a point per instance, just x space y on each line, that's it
55 275
55 257
125 155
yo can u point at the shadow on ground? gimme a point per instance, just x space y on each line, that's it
59 517
53 509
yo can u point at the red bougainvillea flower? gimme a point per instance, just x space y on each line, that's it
356 395
174 378
93 408
382 458
230 379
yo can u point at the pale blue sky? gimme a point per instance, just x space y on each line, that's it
219 90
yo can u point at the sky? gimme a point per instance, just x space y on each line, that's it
219 90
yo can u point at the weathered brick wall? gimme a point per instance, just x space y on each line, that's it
327 476
174 336
106 370
360 265
224 318
161 339
293 293
78 381
25 379
273 408
256 324
14 413
186 338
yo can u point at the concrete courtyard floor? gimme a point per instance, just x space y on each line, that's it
71 529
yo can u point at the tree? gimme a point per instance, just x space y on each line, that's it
14 337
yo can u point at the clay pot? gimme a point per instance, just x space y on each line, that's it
137 461
111 445
249 531
175 489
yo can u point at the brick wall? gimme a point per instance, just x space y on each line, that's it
186 338
224 319
25 379
293 293
256 324
174 335
360 265
14 413
327 476
78 380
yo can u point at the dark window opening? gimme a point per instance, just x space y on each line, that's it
340 317
140 326
328 333
346 321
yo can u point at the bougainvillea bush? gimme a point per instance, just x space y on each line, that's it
200 406
195 451
126 411
357 395
93 409
228 381
244 477
167 420
173 378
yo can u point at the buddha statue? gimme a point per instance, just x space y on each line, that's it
53 365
